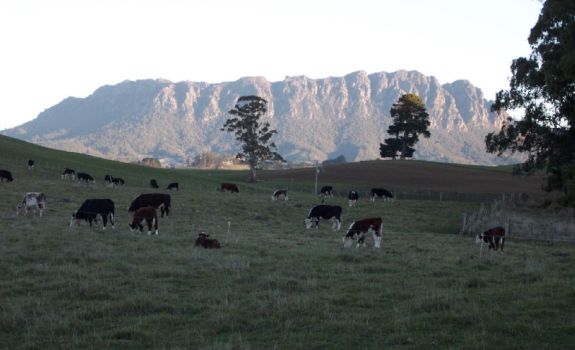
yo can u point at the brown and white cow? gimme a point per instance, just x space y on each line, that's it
228 187
160 201
280 194
32 200
203 240
147 214
358 229
494 237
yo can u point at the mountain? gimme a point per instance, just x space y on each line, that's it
315 118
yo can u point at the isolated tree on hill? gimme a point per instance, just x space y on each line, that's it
254 136
542 87
410 120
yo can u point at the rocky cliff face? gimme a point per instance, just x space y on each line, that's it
315 118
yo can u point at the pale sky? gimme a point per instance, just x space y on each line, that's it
54 49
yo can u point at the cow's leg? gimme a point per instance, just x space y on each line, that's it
502 242
112 220
376 239
155 223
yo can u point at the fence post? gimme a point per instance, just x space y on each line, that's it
463 224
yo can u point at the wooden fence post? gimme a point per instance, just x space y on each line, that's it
463 224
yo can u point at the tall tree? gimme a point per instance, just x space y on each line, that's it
253 135
542 89
410 120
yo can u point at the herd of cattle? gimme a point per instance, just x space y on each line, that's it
144 209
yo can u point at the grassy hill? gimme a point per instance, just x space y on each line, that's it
273 284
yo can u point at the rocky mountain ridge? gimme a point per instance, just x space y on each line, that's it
315 118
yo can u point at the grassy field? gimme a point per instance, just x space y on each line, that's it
273 284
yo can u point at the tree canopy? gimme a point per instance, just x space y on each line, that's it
253 135
542 88
410 119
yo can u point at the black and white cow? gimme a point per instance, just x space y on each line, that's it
327 212
5 175
358 229
147 214
32 200
118 181
280 194
160 201
109 180
174 185
326 191
91 208
380 193
352 198
228 187
494 237
154 183
68 173
84 177
30 164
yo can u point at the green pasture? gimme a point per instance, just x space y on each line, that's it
273 284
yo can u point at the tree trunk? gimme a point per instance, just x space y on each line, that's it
253 174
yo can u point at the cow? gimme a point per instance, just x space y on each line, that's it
154 183
352 198
68 173
91 208
109 179
203 240
380 193
228 187
328 212
494 237
326 191
358 229
118 181
173 185
84 177
160 201
30 164
32 200
149 215
6 175
280 194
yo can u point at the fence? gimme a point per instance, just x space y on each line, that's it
522 223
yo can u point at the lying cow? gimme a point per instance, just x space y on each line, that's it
6 175
494 237
228 187
84 177
352 198
280 194
327 212
91 208
32 200
147 214
203 240
160 201
380 193
68 173
174 185
358 229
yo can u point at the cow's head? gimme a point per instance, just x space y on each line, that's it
310 222
74 220
20 208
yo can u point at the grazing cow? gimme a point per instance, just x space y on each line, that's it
280 194
160 201
228 187
326 191
359 228
32 200
154 183
494 237
380 193
149 215
109 179
173 185
328 212
68 173
118 181
87 178
352 198
30 164
91 208
6 175
206 242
